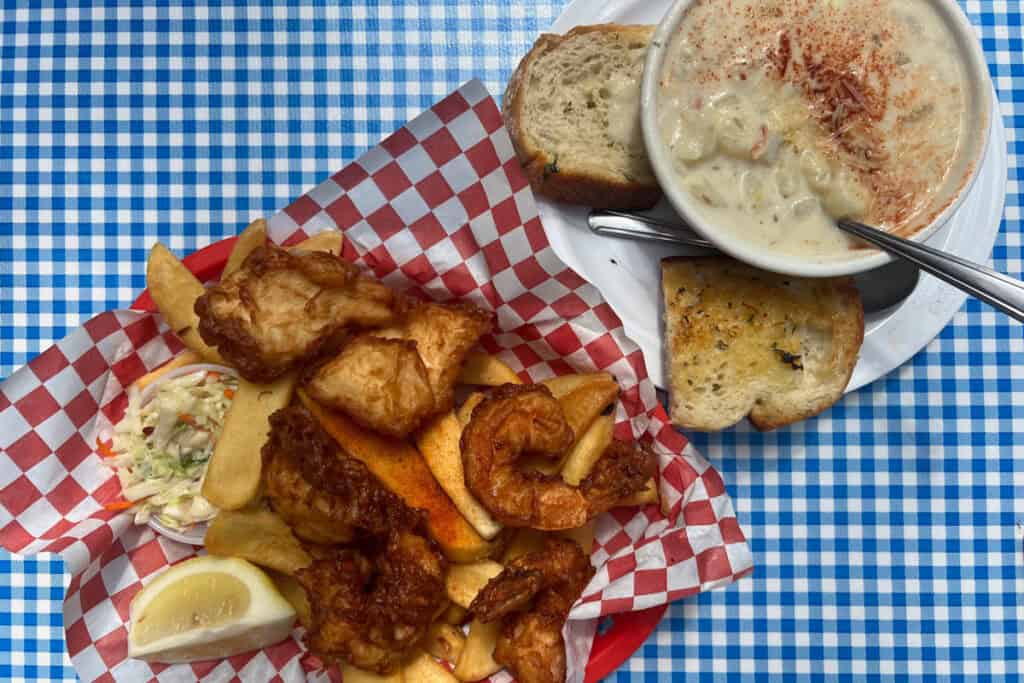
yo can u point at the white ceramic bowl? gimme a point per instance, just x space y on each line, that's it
979 102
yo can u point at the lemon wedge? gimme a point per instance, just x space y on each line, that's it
207 608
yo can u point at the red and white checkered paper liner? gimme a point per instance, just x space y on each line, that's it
441 207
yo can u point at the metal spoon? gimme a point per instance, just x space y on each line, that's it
992 287
880 288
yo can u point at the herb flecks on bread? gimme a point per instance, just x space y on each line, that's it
572 110
742 342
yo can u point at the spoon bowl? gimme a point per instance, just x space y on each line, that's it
880 288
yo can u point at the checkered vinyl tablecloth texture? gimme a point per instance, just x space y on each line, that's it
886 532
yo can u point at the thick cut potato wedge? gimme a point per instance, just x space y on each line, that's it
186 357
292 591
564 385
328 240
525 541
477 658
444 641
423 668
350 674
583 397
438 443
174 290
455 615
233 477
583 535
252 237
401 468
256 535
486 370
464 581
465 412
648 495
588 450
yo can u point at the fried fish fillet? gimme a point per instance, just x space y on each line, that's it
281 309
393 379
381 383
444 335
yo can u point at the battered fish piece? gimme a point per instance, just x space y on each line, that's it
381 383
281 309
533 596
370 607
444 335
519 419
323 494
393 379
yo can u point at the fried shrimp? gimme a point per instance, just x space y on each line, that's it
369 607
372 600
519 419
533 596
324 495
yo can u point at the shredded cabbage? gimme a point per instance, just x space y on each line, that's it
162 448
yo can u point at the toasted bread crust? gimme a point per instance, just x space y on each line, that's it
850 331
706 338
602 191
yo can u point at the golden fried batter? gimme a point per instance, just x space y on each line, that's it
324 495
392 379
380 383
444 334
281 309
519 419
369 609
533 596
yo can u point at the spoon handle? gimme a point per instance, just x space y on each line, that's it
635 226
992 287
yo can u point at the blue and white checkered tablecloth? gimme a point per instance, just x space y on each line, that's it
889 533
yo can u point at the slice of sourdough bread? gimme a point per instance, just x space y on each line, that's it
742 342
573 111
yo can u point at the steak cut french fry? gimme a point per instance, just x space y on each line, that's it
423 668
292 591
584 535
233 477
251 238
444 641
583 397
454 615
648 495
438 443
350 674
525 541
401 468
477 658
588 450
327 240
564 385
465 412
174 290
464 581
483 369
186 357
256 535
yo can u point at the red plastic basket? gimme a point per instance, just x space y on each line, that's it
611 648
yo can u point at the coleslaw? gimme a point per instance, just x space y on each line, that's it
161 448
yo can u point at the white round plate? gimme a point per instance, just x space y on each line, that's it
628 273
